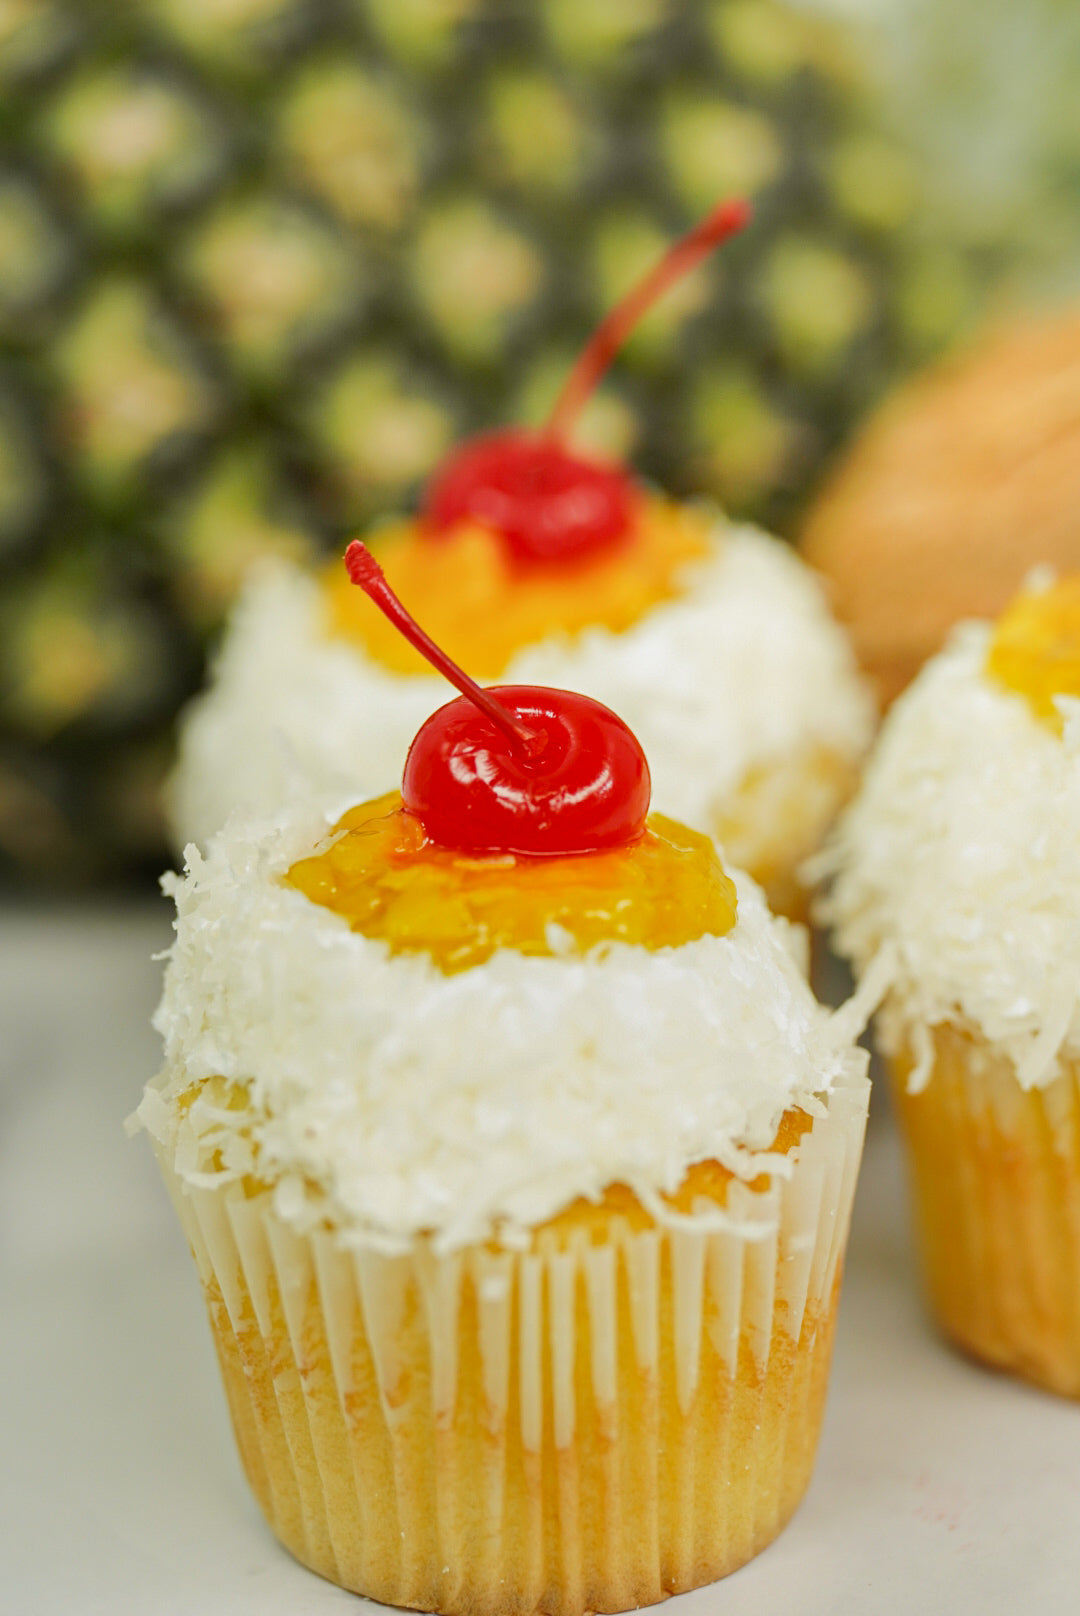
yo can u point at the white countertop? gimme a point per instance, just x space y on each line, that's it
940 1488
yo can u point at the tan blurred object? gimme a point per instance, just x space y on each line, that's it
965 480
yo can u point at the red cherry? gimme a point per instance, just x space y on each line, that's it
548 504
584 788
518 769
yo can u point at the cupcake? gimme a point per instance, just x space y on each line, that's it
962 479
535 564
517 1161
959 864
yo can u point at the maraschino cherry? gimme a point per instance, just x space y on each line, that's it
517 769
549 504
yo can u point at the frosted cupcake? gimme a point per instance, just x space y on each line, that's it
531 563
517 1160
960 859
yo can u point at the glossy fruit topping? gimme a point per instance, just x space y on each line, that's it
547 503
483 609
583 786
1035 650
519 770
384 875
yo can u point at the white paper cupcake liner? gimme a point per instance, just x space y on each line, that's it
618 1413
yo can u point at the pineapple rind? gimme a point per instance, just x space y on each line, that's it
262 260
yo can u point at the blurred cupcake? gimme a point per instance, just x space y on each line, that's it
962 481
518 1181
532 562
960 859
714 642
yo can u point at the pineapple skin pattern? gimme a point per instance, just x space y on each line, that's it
262 261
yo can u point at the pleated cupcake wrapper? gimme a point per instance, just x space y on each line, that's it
475 1431
996 1179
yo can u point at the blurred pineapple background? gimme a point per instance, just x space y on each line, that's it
262 261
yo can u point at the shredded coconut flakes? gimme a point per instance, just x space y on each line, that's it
382 1096
962 853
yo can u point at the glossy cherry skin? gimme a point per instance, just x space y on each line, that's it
548 504
583 786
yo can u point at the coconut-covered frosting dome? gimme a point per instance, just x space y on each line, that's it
384 1096
960 855
739 670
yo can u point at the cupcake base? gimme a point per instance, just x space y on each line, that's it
996 1181
625 1410
777 817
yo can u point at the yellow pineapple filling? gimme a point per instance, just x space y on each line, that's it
380 872
481 606
1036 648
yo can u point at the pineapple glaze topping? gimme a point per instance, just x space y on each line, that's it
1035 650
381 873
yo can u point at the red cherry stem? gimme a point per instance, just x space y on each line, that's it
724 221
365 572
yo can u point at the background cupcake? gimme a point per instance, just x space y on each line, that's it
960 861
721 655
530 561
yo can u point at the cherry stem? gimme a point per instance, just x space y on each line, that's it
366 573
724 221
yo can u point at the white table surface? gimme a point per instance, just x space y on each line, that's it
940 1488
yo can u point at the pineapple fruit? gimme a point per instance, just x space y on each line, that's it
261 261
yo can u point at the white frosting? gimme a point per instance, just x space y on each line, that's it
962 852
389 1098
743 671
